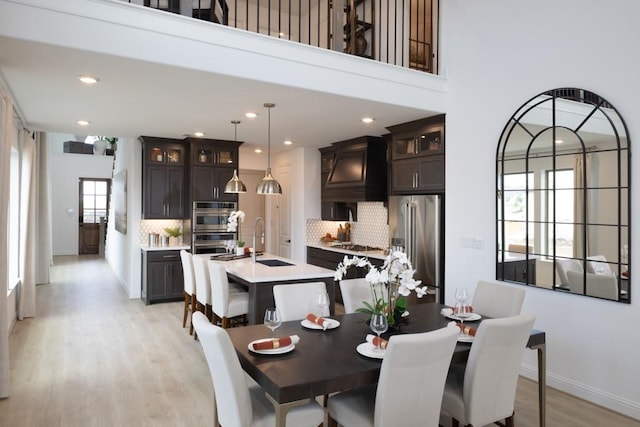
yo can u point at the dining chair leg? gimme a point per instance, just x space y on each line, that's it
193 309
509 422
187 300
454 423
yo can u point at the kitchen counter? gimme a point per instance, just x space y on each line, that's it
371 254
259 279
165 248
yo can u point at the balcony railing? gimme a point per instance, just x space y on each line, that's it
398 32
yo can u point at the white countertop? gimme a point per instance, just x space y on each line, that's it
370 254
245 269
165 248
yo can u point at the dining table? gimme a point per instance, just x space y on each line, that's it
327 361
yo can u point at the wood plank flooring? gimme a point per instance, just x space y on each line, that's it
93 357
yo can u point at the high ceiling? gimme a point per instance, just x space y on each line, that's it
141 97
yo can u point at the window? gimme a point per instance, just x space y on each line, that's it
518 205
560 194
93 202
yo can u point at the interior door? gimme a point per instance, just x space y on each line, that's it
283 212
94 204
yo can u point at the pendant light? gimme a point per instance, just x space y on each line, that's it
235 185
269 185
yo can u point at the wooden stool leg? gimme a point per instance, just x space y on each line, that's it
187 299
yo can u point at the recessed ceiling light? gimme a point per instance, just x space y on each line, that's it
559 141
251 115
198 134
367 120
257 150
288 142
83 122
89 80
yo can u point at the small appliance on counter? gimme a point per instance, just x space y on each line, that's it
153 239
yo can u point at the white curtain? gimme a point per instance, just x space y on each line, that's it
44 258
6 119
581 169
28 208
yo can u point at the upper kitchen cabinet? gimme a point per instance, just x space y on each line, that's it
212 166
418 156
358 172
330 210
163 178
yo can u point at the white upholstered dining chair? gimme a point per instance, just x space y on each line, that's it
354 292
496 300
237 402
189 289
483 391
226 305
296 300
410 386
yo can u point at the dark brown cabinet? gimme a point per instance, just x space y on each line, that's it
163 178
162 278
330 210
212 166
418 156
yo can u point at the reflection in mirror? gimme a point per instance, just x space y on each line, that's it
563 206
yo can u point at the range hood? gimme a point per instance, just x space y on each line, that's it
359 172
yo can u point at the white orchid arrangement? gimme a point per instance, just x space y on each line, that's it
235 218
394 278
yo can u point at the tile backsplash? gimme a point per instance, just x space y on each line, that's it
371 229
157 226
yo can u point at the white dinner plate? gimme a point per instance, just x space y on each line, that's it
331 324
473 317
367 349
279 350
465 338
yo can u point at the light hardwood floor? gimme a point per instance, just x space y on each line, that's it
93 357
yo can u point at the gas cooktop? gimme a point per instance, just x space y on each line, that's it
357 248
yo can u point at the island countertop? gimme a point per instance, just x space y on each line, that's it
246 269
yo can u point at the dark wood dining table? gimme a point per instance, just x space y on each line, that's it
325 362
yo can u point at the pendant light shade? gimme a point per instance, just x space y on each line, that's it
235 185
269 185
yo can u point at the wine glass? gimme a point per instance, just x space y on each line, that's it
378 325
461 309
229 245
322 304
272 319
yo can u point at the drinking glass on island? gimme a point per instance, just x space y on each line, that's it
272 319
378 325
462 310
322 304
229 245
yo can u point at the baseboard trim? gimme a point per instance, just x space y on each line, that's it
591 394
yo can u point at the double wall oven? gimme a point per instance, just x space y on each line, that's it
209 226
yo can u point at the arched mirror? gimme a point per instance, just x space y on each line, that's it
563 196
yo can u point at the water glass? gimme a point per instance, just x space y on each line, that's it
322 304
272 319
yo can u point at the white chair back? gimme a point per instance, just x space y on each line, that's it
597 264
187 272
203 287
233 400
354 292
416 364
296 300
598 285
565 265
219 289
497 300
491 375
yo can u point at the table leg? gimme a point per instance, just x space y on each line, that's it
283 408
542 381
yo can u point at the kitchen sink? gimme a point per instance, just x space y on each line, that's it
274 262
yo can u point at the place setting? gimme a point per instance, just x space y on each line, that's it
273 345
374 346
318 320
460 312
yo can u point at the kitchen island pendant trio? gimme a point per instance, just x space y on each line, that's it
269 185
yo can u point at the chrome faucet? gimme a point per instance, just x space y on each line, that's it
255 228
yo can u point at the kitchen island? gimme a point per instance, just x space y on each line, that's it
259 279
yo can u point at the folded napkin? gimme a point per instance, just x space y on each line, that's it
276 343
449 311
467 330
375 341
321 321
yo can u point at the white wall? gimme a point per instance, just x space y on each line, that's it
122 251
496 55
65 170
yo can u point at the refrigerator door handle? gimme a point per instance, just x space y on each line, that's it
436 214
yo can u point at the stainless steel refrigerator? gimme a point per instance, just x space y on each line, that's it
416 227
